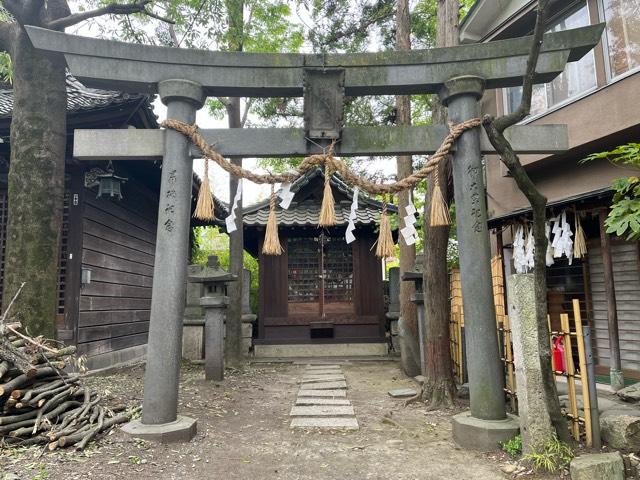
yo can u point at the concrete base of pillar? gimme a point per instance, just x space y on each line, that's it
182 430
483 435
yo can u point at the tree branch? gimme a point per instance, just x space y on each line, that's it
506 121
245 114
14 7
495 128
5 36
363 25
140 6
224 101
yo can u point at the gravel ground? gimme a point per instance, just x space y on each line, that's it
243 433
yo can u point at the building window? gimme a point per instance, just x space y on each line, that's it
578 77
622 34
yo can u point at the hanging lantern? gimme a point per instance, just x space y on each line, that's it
109 184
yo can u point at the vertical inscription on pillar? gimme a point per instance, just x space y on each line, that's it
169 198
473 174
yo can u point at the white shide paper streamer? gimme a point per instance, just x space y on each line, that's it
349 236
409 232
231 219
286 195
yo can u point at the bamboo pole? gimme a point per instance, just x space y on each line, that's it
571 380
586 401
551 341
508 351
459 335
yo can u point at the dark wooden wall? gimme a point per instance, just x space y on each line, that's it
118 244
626 274
273 286
368 286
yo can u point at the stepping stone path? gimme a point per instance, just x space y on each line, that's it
322 401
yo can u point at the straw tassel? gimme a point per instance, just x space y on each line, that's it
271 244
385 246
204 206
439 216
327 211
579 241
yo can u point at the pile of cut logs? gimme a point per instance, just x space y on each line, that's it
40 402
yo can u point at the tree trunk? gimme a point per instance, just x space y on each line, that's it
36 184
495 128
233 341
439 387
404 169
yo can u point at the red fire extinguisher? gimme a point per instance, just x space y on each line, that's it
558 361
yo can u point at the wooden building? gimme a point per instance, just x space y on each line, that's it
592 98
321 290
107 247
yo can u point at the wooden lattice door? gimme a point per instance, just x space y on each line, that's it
337 276
320 276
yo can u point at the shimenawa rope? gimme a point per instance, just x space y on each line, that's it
439 211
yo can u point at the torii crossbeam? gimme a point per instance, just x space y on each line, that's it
183 78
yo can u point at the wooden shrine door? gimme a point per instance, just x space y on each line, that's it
320 280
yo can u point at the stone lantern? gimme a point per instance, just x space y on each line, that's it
214 300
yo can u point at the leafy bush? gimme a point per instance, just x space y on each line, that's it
624 217
211 241
550 456
513 447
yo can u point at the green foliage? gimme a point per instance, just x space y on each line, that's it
211 241
624 217
6 68
348 25
424 24
551 456
513 447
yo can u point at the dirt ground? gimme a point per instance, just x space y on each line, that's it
243 433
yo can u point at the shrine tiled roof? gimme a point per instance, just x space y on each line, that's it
79 98
307 211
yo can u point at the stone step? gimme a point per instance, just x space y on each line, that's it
323 367
323 393
336 423
322 411
323 386
322 401
324 371
403 392
322 378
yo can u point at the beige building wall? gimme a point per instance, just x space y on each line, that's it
601 120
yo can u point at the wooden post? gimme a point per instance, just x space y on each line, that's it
571 380
615 366
508 352
586 401
500 248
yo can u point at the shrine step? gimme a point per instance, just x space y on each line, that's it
322 350
339 423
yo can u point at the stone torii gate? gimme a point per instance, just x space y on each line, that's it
184 78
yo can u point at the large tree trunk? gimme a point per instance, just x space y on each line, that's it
410 361
233 341
439 387
36 184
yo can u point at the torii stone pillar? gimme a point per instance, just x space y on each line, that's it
487 423
159 418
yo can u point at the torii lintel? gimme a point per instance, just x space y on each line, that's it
139 68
